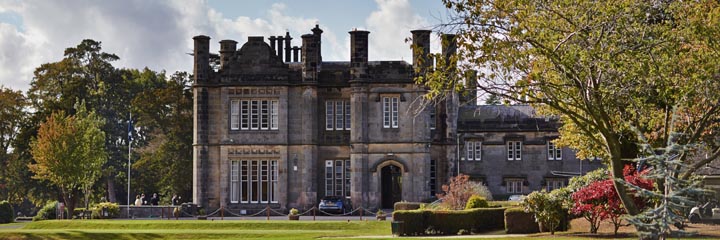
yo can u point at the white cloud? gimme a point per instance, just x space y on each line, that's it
389 25
156 34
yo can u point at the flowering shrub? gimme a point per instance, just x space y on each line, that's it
599 200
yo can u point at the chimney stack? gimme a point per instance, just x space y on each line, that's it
201 55
471 87
296 53
227 50
358 54
449 45
272 43
311 56
421 50
280 46
287 46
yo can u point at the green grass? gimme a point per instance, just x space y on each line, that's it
195 229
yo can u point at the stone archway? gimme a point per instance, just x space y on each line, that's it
390 185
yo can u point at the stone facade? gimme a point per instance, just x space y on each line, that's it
273 129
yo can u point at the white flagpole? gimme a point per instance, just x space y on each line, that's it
128 173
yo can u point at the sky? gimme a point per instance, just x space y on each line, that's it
158 34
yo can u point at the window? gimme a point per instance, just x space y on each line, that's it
337 178
514 150
473 150
257 181
254 115
433 124
433 178
234 176
390 112
514 185
554 153
337 115
234 115
554 183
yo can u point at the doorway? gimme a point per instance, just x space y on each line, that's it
391 185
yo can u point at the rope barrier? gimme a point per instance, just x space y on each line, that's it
343 214
278 213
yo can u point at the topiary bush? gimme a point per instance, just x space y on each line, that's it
476 201
407 205
518 221
7 214
47 212
113 210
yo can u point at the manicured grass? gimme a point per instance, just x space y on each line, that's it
195 229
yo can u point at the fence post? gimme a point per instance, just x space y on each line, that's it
222 213
361 213
313 213
267 210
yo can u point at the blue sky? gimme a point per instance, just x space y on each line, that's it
158 34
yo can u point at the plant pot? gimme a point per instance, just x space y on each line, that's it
294 217
381 218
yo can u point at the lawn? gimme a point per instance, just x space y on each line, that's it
260 229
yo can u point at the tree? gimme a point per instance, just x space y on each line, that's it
459 189
599 201
12 115
547 207
69 153
604 67
164 115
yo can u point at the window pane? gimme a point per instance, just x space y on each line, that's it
347 115
469 147
432 117
234 115
395 112
254 115
255 181
274 115
264 177
245 115
329 115
234 177
264 115
386 112
347 177
478 151
518 150
339 120
244 182
510 151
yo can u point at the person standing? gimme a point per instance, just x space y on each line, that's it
155 200
138 201
144 199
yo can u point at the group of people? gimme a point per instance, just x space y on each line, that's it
155 200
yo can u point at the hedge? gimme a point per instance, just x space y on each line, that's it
428 222
47 212
518 221
407 205
113 210
476 201
7 214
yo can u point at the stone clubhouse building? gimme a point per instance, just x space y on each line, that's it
275 125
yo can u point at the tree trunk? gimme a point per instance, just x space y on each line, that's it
111 190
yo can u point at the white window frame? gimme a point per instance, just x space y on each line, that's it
339 115
348 119
329 115
554 183
251 176
553 152
473 150
514 150
264 115
514 185
337 177
274 115
255 114
390 107
234 115
244 115
433 112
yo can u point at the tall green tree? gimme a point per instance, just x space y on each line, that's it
69 152
164 115
13 113
604 67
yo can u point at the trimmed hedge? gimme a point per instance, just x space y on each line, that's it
518 221
113 210
407 205
428 222
7 214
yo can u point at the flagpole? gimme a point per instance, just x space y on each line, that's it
128 173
